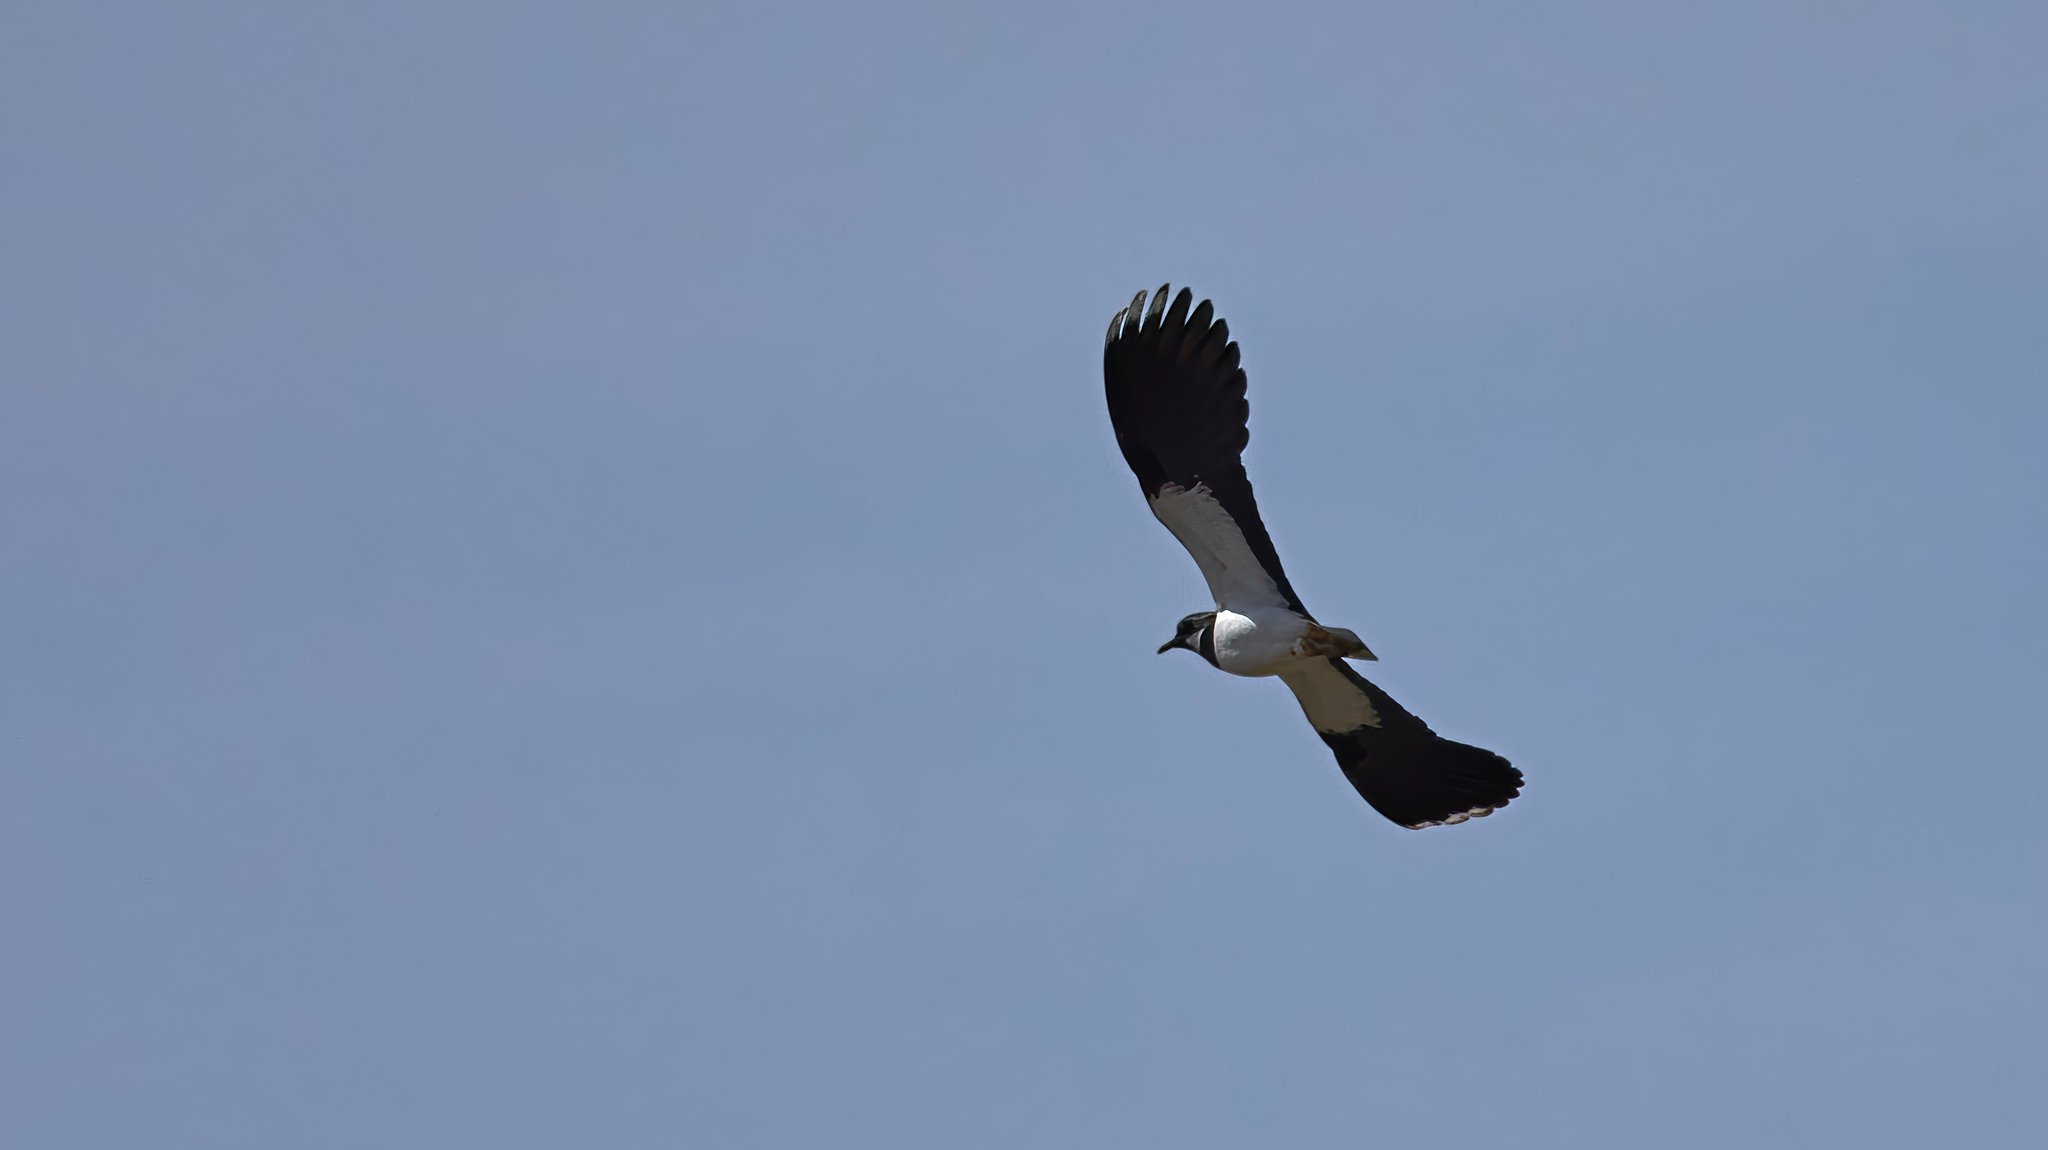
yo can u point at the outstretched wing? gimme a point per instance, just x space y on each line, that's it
1176 399
1405 770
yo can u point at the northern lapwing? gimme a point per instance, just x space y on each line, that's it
1176 399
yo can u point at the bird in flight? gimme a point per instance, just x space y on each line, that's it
1176 400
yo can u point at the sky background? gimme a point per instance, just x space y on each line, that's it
565 581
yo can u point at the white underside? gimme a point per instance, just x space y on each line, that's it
1258 643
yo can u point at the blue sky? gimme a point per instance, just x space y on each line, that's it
567 581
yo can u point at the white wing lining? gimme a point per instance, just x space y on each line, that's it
1332 702
1236 579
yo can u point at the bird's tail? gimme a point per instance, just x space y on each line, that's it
1350 646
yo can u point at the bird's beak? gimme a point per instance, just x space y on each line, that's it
1170 644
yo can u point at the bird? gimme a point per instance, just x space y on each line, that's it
1176 397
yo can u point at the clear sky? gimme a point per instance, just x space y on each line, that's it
566 581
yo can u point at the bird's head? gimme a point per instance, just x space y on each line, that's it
1188 633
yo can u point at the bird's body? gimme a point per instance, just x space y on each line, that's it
1176 399
1269 641
1251 646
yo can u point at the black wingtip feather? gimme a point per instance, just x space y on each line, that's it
1177 318
1420 780
1157 312
1133 316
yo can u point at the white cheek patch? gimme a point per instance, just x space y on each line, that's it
1332 702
